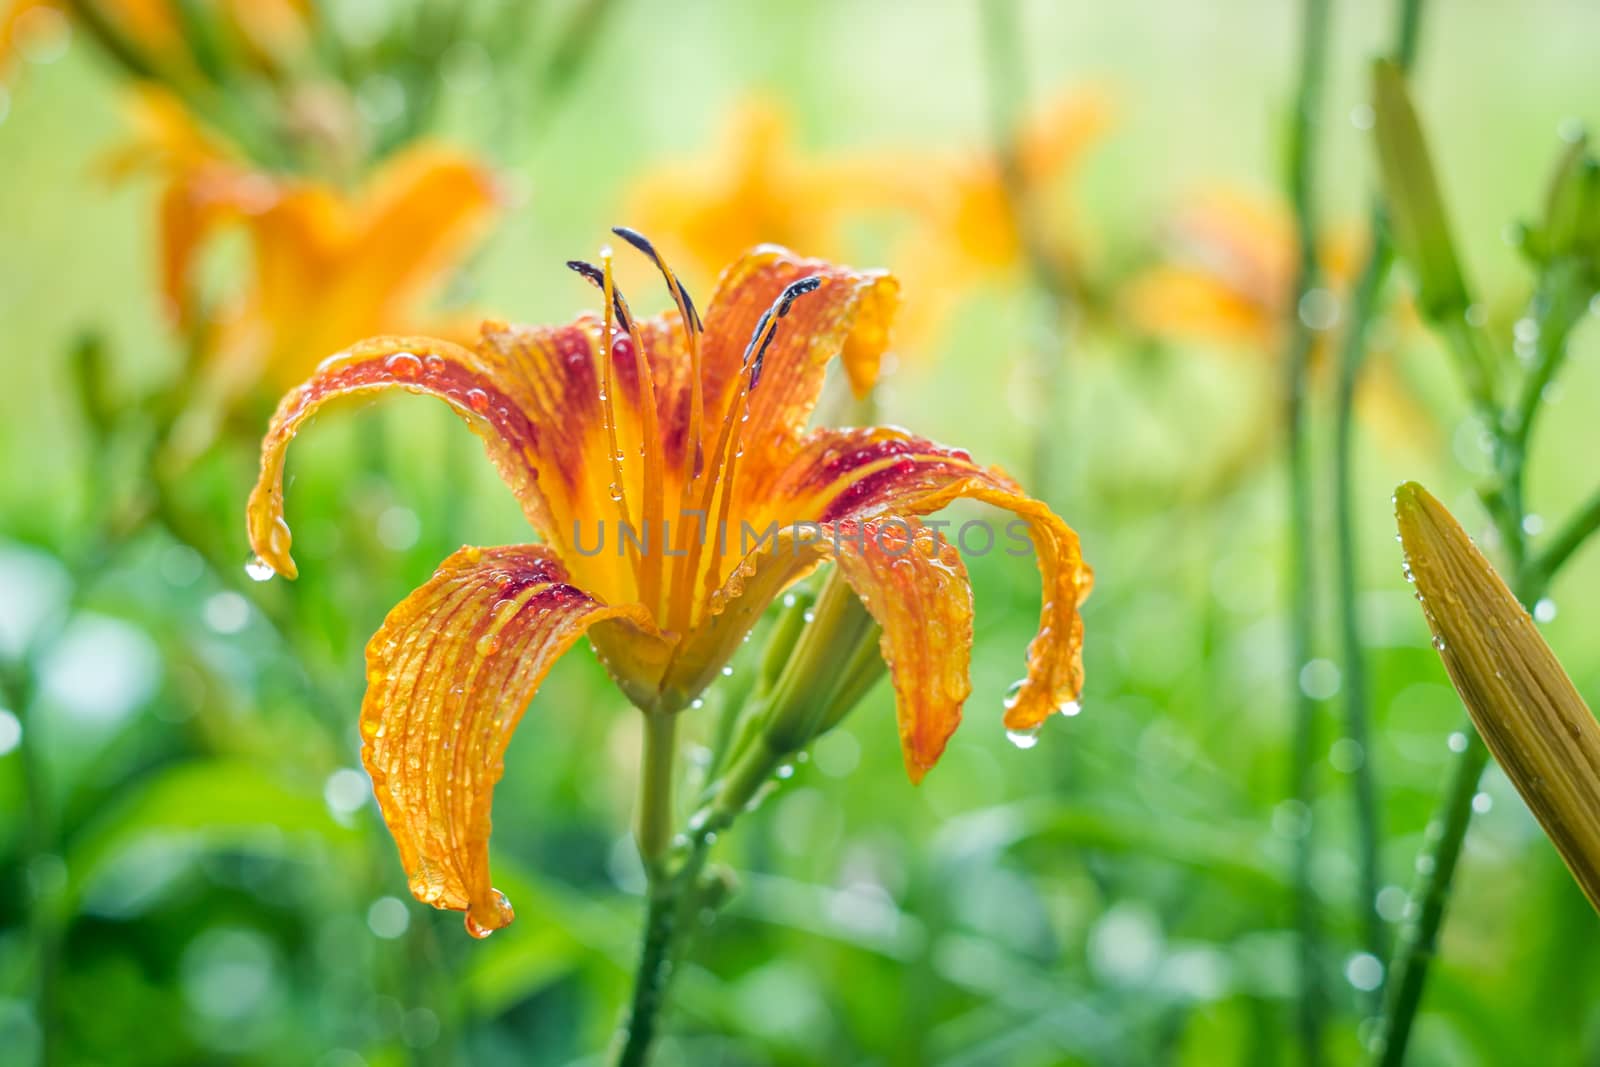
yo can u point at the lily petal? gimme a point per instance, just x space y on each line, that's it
847 316
449 674
418 365
912 583
915 587
843 474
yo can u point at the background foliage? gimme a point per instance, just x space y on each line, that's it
192 865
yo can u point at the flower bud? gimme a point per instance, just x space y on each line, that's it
1522 702
1411 196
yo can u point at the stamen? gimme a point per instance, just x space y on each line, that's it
597 278
694 451
608 411
767 327
691 317
728 448
654 504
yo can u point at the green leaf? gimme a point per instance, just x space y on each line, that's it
213 803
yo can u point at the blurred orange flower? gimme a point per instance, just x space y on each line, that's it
966 229
953 212
1231 273
754 187
1229 280
690 434
327 267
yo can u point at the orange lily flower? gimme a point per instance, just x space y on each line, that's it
1230 281
614 423
961 227
328 268
1232 273
755 186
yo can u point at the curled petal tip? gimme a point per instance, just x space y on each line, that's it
270 538
485 917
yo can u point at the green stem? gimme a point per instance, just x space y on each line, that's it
1572 536
1302 171
651 978
1430 895
1008 99
1419 937
653 821
675 898
1357 695
1436 865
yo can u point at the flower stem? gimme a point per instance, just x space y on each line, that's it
1357 695
653 821
650 979
1557 312
1436 867
1302 169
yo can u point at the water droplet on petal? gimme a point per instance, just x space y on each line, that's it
403 365
1023 739
1012 692
1070 708
259 569
478 400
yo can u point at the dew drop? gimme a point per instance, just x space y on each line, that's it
478 400
403 365
727 671
259 569
616 490
1438 642
1023 739
1012 692
488 644
1070 708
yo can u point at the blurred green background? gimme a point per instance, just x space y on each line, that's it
190 861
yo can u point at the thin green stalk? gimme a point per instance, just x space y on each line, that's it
653 821
1571 537
1436 865
651 978
1357 694
1302 172
1008 98
1430 895
1419 936
676 897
